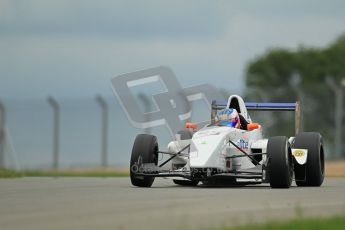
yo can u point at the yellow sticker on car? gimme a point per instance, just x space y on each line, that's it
298 153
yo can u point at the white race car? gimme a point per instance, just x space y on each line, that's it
220 155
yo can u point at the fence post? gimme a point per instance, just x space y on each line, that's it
338 113
104 132
2 135
56 130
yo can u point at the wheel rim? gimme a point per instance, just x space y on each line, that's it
155 155
289 162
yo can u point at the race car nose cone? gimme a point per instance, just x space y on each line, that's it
209 146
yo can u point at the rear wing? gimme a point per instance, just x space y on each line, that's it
296 107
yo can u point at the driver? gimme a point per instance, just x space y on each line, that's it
231 118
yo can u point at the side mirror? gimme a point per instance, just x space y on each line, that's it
190 125
252 126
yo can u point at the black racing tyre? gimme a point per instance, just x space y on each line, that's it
145 150
280 168
314 169
186 182
185 134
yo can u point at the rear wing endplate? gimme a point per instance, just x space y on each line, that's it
296 106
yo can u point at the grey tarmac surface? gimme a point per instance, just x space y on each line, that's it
112 203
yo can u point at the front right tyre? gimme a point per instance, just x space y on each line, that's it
280 168
145 150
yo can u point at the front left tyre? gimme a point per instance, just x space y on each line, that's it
313 172
185 134
145 150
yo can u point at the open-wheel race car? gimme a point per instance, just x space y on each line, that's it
223 155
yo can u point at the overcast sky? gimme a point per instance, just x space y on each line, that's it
71 48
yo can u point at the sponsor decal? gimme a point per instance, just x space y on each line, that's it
298 153
243 144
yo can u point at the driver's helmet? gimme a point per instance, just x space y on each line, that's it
228 117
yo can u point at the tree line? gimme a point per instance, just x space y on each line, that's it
311 75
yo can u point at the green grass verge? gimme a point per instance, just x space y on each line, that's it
6 173
38 173
334 223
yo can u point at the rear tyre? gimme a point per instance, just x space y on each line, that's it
313 172
145 150
186 182
280 169
185 134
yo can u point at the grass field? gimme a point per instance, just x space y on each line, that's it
334 223
6 173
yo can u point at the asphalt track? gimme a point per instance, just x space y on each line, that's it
112 203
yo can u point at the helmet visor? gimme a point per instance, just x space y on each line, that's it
230 123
